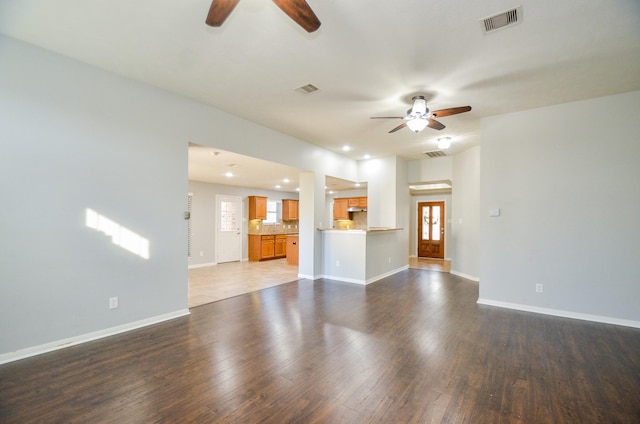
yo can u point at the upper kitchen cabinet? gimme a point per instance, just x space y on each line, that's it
289 210
341 209
343 205
353 201
257 207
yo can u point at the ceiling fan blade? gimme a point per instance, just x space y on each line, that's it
219 11
300 12
399 127
451 111
435 124
387 117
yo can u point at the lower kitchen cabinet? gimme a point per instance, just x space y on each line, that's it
292 250
263 247
267 247
280 246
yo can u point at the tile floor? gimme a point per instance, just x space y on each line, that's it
222 281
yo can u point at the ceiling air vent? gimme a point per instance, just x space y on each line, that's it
501 20
307 89
435 154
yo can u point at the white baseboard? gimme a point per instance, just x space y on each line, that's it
368 281
463 275
387 274
309 277
345 279
561 313
83 338
202 265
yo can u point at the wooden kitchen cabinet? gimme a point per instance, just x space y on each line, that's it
289 210
342 204
263 247
353 202
340 207
280 248
257 207
255 247
267 247
292 250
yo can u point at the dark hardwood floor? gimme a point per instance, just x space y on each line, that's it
412 348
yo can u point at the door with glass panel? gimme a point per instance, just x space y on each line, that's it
228 233
431 230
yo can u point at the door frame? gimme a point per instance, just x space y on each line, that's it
416 232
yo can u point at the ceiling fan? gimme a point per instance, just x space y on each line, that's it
298 10
419 117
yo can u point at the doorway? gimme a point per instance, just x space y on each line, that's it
431 230
228 232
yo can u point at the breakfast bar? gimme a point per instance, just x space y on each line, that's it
363 256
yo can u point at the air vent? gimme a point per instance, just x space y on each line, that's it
307 89
435 154
501 20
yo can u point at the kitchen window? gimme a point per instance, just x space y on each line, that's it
273 213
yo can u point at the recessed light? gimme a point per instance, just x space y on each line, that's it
367 156
444 142
357 184
297 188
286 180
346 148
228 174
330 191
278 186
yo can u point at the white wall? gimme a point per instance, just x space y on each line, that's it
566 181
380 173
432 169
402 204
74 137
464 242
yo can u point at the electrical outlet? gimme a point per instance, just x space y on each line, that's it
538 288
389 259
113 302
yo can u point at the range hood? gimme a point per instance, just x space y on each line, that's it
356 209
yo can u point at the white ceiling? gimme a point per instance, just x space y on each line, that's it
368 59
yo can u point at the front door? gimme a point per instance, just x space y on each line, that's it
228 234
431 230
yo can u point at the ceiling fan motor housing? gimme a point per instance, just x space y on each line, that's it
419 107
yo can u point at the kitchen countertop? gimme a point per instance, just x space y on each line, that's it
361 230
272 234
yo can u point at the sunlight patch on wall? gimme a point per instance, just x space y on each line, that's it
120 236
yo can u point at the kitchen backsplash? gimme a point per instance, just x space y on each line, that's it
358 222
286 227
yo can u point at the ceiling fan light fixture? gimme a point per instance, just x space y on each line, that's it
444 142
417 124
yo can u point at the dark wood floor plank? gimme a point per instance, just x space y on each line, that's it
411 348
